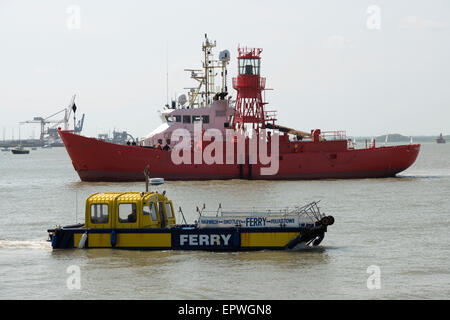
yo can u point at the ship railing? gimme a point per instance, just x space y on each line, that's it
311 211
270 115
334 135
351 144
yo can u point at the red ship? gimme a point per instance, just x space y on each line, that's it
208 135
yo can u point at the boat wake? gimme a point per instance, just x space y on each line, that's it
424 175
25 244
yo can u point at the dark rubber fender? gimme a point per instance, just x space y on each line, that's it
331 218
113 238
325 221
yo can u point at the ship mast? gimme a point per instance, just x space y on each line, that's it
203 94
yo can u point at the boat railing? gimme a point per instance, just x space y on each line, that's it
334 135
311 211
270 115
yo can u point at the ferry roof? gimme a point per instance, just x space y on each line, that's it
127 196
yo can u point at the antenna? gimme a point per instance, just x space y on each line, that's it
167 74
146 171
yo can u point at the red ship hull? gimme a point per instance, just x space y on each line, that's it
97 160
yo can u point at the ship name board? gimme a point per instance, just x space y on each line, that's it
249 222
204 239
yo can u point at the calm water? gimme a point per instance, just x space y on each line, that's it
399 224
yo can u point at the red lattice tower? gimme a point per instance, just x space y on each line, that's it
249 85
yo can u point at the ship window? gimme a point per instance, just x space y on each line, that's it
169 211
150 210
196 118
205 119
177 118
186 119
249 66
127 212
99 213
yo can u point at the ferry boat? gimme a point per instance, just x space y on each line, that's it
209 115
146 221
440 139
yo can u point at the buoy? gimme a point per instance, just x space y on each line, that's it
82 241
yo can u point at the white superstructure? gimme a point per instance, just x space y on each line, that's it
207 104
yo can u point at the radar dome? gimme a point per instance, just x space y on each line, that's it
182 99
224 55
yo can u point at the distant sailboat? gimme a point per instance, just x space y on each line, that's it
20 149
440 139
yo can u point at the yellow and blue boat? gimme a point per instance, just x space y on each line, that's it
146 220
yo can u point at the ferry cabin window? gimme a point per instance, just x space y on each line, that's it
169 211
249 66
205 119
127 212
186 119
195 118
177 118
161 214
150 210
99 213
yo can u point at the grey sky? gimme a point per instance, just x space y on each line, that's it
327 68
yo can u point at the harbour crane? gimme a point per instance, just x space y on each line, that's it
54 123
